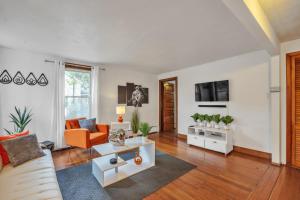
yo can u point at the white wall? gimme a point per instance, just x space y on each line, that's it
114 76
40 99
287 47
248 77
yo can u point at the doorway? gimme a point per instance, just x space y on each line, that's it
168 106
293 109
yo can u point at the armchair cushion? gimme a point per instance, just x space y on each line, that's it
89 124
98 138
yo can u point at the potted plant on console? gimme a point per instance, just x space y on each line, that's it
216 119
208 119
201 120
195 118
227 120
135 121
145 128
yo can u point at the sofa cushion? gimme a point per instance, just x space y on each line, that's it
33 180
89 124
22 149
3 153
98 138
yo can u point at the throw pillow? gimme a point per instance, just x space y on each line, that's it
3 153
1 164
89 124
22 149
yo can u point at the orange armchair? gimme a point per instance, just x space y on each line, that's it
83 138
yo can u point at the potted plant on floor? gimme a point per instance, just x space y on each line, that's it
195 118
208 119
227 120
216 119
20 120
135 121
145 128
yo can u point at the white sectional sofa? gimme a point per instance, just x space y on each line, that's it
33 180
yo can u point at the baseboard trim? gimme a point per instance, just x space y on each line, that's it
252 152
182 136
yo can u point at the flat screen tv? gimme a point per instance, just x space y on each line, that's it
212 91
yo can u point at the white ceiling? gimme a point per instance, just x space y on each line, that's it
154 36
284 16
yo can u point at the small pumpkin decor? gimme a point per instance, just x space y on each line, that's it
138 159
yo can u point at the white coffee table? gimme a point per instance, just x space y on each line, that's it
107 173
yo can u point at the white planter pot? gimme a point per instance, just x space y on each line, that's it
201 124
208 125
227 127
217 126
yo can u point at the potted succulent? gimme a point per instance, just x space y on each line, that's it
201 119
195 118
145 128
227 120
208 119
216 119
135 121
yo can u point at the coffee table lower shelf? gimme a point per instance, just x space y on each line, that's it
110 176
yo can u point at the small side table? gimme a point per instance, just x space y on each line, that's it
114 126
47 145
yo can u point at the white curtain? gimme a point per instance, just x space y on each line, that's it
95 93
58 117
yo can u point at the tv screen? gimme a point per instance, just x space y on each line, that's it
212 91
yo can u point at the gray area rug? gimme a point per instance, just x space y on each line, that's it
78 183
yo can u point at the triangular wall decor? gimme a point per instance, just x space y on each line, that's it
42 81
5 78
19 78
31 80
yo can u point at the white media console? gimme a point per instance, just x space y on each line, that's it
210 138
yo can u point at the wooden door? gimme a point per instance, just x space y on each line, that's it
168 107
295 111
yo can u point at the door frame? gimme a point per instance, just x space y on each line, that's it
161 81
289 107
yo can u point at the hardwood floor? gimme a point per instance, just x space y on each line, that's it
236 176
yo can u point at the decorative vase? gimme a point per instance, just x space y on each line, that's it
138 159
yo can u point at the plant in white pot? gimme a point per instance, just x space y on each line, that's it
216 119
195 118
201 120
208 119
227 120
145 128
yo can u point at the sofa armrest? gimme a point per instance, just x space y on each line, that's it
78 137
104 128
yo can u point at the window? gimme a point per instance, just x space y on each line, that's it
77 93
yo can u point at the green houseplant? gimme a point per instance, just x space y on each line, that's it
20 120
216 119
208 119
227 120
201 118
145 128
195 117
135 121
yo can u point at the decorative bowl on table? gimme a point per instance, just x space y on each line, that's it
117 138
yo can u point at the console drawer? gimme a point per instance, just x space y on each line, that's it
195 140
215 145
